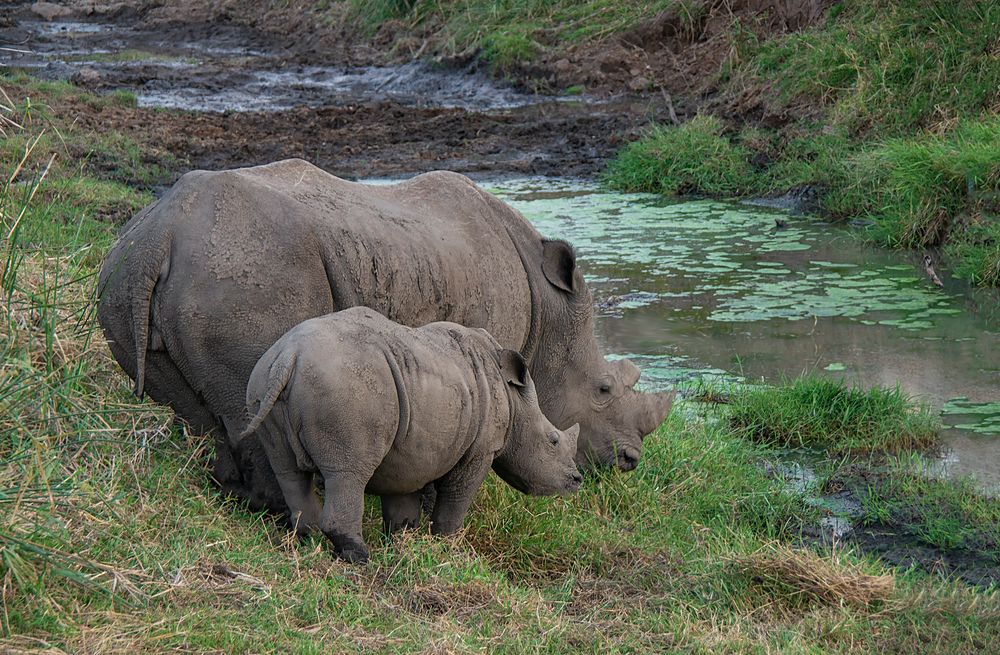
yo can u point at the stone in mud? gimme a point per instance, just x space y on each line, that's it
87 78
639 83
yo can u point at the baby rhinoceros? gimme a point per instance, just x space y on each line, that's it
381 408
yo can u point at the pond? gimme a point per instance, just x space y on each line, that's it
706 288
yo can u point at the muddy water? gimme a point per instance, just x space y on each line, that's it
707 288
228 72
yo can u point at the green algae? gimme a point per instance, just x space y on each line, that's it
706 247
983 418
708 292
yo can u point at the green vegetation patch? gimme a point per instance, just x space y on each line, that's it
113 539
887 67
948 514
510 32
691 158
812 412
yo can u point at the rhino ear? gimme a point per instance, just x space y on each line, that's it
513 368
559 264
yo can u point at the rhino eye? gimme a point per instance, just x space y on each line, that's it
553 438
605 388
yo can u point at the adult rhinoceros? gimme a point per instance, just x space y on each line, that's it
208 277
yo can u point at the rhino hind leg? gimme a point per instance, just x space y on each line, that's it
401 512
165 384
304 507
245 472
343 508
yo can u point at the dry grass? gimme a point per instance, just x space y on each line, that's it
803 576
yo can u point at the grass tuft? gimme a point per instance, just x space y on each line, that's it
812 412
695 157
804 577
512 32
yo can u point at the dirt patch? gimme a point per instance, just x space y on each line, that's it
678 52
661 70
897 538
894 545
459 601
383 139
370 135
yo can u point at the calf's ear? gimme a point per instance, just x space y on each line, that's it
559 264
513 368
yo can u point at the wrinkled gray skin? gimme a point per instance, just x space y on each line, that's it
205 279
374 406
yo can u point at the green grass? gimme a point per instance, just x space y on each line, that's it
511 32
818 413
128 55
949 514
113 540
888 68
695 157
898 105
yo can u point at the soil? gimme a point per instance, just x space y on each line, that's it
378 127
662 70
385 139
896 541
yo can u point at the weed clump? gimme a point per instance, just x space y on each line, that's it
695 157
812 412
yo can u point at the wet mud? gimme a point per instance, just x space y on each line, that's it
232 100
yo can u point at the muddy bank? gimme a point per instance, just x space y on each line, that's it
384 139
934 536
352 121
931 533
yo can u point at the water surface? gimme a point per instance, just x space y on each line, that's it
707 288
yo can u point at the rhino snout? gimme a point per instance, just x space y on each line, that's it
628 458
574 480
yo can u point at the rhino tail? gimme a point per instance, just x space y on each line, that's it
278 375
151 271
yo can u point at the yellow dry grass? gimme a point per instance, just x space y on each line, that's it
803 575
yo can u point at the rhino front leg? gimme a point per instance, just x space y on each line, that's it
400 512
455 492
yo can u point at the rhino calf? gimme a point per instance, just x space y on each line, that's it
381 408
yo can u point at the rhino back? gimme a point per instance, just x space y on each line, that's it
260 249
